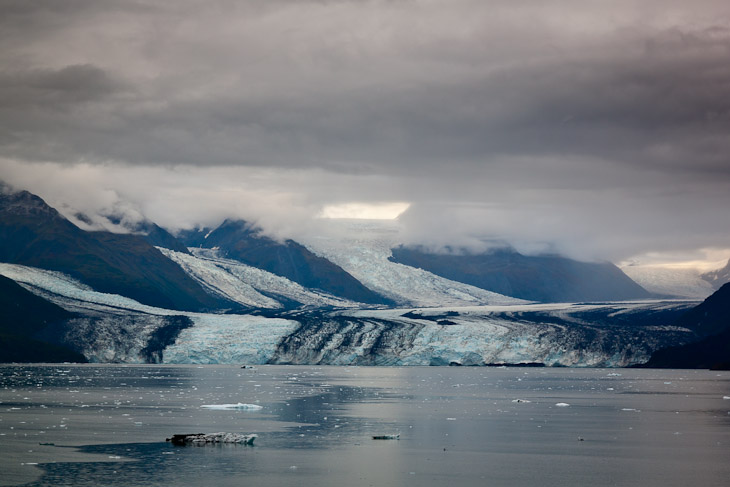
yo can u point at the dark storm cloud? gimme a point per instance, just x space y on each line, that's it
538 122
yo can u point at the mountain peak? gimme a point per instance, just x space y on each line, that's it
25 204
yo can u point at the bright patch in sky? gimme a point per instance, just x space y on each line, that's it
365 211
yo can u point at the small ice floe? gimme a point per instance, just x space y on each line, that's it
450 419
726 397
520 400
630 409
613 374
212 438
562 405
240 405
386 437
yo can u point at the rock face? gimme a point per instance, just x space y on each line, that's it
25 319
212 438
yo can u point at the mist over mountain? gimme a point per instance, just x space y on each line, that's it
718 277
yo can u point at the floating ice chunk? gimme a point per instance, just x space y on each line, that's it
212 438
562 404
240 405
630 409
520 400
726 397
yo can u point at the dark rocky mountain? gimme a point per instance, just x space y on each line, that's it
711 321
545 278
154 234
34 234
23 319
718 277
194 237
240 241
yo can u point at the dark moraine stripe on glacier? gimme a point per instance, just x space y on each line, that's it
596 337
331 339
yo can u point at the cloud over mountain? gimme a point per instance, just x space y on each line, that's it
595 130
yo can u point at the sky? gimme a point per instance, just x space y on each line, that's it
599 130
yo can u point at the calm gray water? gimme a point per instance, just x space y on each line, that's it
106 426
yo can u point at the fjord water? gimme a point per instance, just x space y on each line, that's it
88 425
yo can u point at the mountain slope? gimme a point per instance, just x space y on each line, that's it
363 248
711 320
34 234
535 278
23 315
240 241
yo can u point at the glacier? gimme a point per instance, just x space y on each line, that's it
112 328
243 284
362 248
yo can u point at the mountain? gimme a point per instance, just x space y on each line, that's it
23 317
718 277
34 234
194 237
710 320
545 278
157 236
240 241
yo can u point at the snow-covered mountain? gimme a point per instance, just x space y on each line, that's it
249 286
238 296
363 249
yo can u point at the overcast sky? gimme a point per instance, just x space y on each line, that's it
596 129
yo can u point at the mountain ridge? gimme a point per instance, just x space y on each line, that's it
33 233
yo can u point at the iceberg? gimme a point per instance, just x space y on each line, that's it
212 438
240 405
